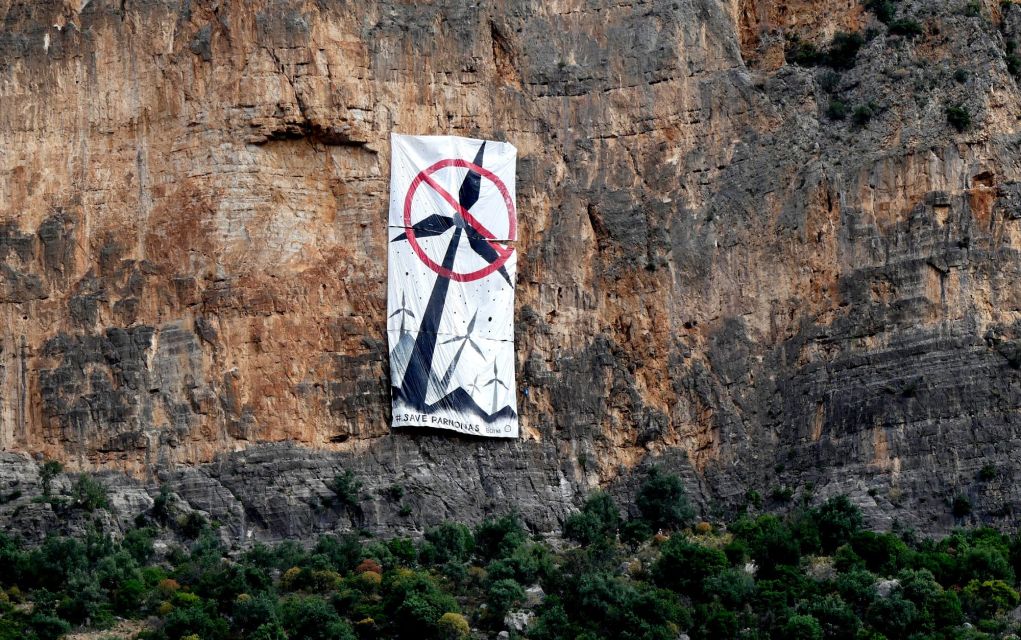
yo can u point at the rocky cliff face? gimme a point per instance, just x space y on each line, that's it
719 271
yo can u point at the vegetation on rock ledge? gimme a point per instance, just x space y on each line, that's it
812 573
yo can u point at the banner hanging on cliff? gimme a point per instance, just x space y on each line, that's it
452 261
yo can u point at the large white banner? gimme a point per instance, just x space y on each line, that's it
450 298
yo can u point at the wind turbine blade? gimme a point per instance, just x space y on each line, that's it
469 193
433 225
485 250
471 323
480 245
476 347
455 339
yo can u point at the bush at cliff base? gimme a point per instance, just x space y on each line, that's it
803 573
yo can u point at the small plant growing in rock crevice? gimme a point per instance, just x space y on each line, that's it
843 50
841 53
160 510
884 9
837 110
961 506
959 117
862 114
346 487
906 27
89 494
393 493
1012 59
49 470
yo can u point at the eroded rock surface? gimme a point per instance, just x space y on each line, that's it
716 272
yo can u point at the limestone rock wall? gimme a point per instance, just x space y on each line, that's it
715 272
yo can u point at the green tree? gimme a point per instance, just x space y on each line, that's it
662 502
684 566
414 604
988 598
597 521
837 619
802 627
47 472
883 553
347 487
453 626
88 494
771 542
449 542
504 595
837 520
499 537
312 618
893 615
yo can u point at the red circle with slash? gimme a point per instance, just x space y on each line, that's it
425 176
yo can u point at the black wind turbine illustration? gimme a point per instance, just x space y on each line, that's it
415 385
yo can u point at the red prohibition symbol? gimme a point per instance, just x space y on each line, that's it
504 253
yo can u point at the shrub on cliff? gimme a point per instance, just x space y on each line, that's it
1012 59
905 27
842 52
347 488
88 494
837 110
960 119
884 9
47 472
862 115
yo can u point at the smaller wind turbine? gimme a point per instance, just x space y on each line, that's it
497 383
404 311
474 387
466 339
